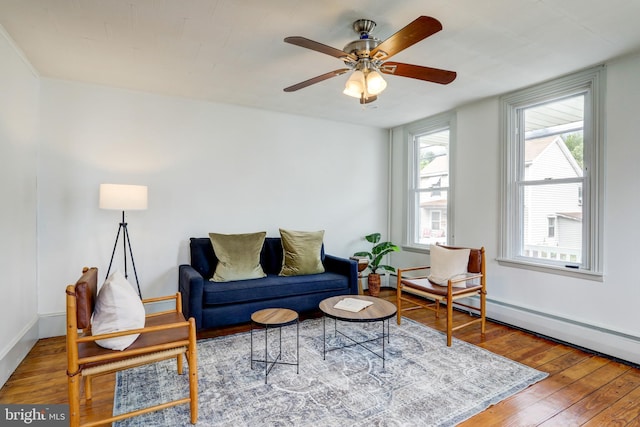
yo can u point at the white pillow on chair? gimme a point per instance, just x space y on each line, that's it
118 308
448 264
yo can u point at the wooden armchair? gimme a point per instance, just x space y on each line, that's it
474 284
165 335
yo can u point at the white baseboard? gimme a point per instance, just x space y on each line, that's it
52 325
600 340
16 350
597 339
55 324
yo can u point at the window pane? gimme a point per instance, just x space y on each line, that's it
432 217
433 160
552 222
429 182
554 146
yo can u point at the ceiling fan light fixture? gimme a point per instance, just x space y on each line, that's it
375 83
348 92
368 57
355 84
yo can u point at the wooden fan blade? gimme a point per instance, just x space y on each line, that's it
417 30
316 79
428 74
322 48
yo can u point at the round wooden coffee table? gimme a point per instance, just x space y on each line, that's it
275 318
379 311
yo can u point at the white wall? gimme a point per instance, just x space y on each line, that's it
209 167
18 143
601 315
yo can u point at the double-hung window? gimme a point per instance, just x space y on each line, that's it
429 192
552 183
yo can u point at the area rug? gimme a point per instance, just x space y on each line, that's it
423 382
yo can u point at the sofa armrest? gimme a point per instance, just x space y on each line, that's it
191 287
345 267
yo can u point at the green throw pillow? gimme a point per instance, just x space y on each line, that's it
301 252
238 256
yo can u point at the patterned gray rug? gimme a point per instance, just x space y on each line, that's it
423 383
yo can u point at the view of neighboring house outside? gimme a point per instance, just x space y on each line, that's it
552 213
552 176
434 175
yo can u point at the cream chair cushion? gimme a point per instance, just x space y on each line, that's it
118 308
448 264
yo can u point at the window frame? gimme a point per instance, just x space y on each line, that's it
429 125
591 82
551 227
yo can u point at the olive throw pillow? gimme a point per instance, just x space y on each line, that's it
448 264
238 256
301 252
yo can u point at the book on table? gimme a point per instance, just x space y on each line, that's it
352 304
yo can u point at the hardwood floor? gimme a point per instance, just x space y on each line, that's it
581 389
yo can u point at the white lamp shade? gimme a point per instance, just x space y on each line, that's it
355 84
375 83
123 197
351 92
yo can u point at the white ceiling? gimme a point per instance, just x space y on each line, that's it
232 51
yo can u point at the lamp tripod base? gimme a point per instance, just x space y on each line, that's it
126 243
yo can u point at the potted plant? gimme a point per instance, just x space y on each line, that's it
378 251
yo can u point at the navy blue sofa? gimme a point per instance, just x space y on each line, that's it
215 304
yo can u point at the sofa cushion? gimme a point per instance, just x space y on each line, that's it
271 256
238 256
302 252
272 286
203 259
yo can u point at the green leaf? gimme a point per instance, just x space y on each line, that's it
366 254
373 238
378 251
384 247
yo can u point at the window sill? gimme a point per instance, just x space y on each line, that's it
551 269
416 249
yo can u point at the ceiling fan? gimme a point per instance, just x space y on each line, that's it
368 57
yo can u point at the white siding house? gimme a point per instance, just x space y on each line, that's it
433 205
553 224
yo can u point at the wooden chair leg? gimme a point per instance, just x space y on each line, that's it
399 299
193 372
88 391
449 322
180 365
483 312
73 384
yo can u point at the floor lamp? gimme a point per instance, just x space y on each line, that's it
123 198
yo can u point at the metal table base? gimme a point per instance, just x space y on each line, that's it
269 364
354 342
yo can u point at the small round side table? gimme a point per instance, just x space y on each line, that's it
363 263
275 318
